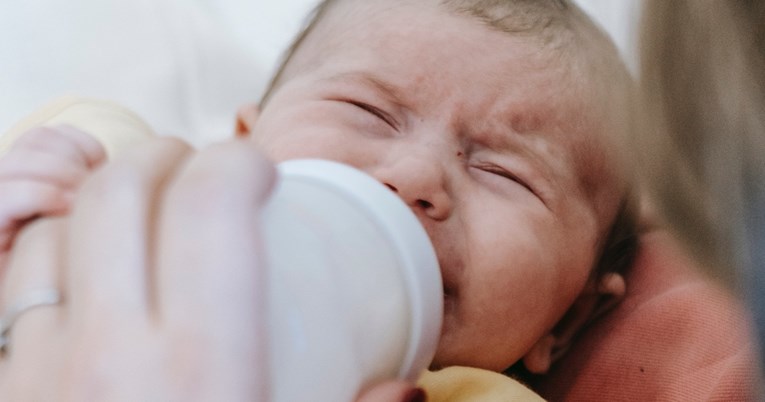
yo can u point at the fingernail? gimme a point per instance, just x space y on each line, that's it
415 395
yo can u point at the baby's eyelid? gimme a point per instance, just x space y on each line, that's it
379 113
500 171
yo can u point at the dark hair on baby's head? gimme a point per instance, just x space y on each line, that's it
544 19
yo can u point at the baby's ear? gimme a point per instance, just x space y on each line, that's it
246 117
599 296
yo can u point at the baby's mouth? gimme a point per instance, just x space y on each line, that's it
449 267
449 287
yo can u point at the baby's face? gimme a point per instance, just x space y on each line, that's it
482 136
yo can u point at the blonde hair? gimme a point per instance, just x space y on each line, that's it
703 81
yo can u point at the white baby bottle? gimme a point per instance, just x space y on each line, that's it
355 288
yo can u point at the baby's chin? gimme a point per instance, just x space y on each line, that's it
466 351
451 350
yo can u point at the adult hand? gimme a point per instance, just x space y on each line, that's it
159 265
38 175
162 282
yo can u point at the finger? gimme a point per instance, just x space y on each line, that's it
393 391
42 166
64 140
23 199
210 275
111 222
35 266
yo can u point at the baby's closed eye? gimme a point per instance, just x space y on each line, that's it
376 112
502 172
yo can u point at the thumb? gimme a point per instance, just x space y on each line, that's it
393 391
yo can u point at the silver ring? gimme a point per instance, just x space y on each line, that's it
28 301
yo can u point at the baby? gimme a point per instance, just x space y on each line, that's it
501 123
493 121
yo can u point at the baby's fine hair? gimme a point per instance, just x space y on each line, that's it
557 25
569 36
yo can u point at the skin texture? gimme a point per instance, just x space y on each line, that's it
485 145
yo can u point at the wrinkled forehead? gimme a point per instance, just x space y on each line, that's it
426 40
495 66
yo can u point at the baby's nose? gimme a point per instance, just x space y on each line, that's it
422 185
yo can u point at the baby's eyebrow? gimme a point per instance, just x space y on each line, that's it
370 80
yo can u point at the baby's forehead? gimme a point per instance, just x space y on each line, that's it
566 92
560 90
539 19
